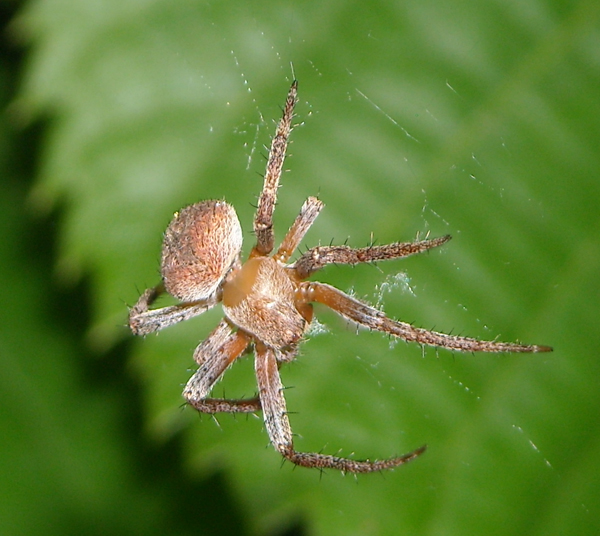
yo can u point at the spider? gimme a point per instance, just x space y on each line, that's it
267 302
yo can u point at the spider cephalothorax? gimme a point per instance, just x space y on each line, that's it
267 302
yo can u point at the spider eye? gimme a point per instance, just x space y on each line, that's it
200 245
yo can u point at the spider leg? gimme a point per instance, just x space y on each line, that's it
214 355
263 221
308 214
318 257
222 405
372 318
143 320
280 432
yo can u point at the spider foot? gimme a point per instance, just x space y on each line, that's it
345 465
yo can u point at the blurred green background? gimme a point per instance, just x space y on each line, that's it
478 119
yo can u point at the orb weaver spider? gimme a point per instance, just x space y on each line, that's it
267 302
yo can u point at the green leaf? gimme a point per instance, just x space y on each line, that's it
478 120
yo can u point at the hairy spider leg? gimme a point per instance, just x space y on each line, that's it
280 433
215 355
263 221
143 320
372 318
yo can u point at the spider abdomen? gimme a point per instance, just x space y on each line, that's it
200 245
260 299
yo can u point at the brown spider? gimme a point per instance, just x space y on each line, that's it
267 302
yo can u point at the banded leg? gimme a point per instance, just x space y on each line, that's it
280 432
318 257
214 355
263 221
372 318
143 320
